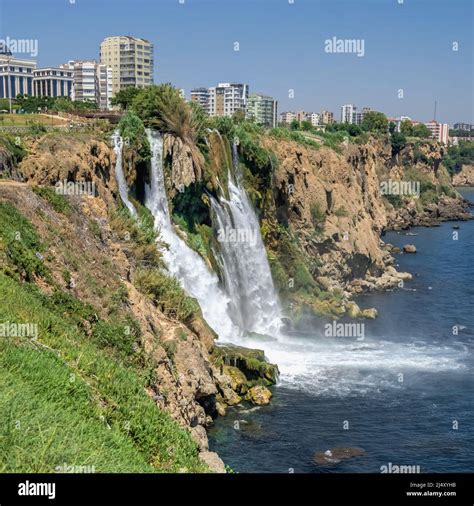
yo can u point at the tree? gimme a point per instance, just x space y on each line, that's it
295 125
353 130
421 131
406 127
375 122
124 97
164 108
306 125
398 141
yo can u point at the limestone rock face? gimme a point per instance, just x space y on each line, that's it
333 202
54 158
465 177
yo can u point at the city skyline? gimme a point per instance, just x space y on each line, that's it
294 62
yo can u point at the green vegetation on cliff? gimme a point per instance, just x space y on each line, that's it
74 376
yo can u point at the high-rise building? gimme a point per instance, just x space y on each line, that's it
201 96
347 113
53 82
16 76
439 131
350 114
227 98
262 109
131 61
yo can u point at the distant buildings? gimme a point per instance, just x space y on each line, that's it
467 127
131 61
350 114
315 118
16 76
439 131
263 110
222 100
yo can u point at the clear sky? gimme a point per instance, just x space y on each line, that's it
407 45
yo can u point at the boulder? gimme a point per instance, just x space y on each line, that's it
409 248
213 461
370 313
336 455
259 395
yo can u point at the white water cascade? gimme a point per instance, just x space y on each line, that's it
248 280
122 183
183 262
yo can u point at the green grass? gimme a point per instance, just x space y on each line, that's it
29 119
58 202
20 245
67 399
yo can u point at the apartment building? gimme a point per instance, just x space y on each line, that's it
327 117
131 61
104 86
263 110
202 97
287 117
350 114
227 98
439 131
315 118
16 76
92 82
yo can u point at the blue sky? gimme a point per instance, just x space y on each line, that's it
407 46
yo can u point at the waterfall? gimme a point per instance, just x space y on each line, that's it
183 262
122 183
248 280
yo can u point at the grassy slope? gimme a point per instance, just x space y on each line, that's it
67 398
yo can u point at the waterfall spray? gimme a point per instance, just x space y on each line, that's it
183 262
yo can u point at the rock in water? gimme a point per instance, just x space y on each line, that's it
409 248
259 395
336 455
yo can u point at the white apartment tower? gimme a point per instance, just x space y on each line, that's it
92 82
227 98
